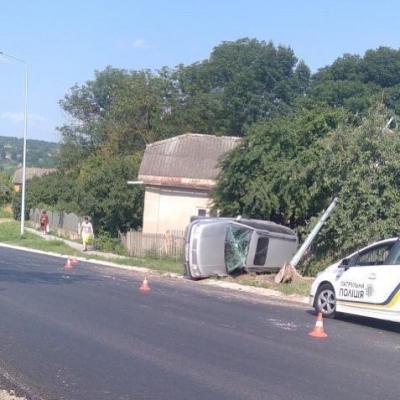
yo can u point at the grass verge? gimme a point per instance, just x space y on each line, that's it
267 281
10 234
6 212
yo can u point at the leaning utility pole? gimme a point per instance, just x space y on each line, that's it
288 271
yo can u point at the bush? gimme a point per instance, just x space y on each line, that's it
312 266
104 242
6 211
16 208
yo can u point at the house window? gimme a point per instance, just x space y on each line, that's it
201 212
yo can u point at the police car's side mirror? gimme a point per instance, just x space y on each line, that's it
345 264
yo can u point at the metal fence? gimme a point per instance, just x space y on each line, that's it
157 245
58 221
137 244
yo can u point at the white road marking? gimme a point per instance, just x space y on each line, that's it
286 326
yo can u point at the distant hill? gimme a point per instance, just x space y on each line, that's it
38 153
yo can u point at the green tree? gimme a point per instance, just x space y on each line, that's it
241 83
5 188
103 193
290 172
138 114
56 191
360 165
257 177
381 66
357 83
87 106
100 190
119 112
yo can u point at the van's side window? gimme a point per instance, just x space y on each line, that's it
261 251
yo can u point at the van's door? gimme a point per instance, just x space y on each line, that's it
259 251
280 250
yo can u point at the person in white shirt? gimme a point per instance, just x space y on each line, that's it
86 232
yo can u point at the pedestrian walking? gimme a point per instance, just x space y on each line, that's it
44 222
86 232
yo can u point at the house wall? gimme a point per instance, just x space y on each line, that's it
171 208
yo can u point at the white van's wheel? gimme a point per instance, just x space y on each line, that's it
325 301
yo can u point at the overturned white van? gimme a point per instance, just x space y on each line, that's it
222 246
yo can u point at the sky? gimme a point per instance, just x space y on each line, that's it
63 42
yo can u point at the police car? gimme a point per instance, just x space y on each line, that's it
366 283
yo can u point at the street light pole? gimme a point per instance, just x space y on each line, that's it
24 141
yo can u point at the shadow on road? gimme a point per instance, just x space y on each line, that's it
370 322
365 321
52 278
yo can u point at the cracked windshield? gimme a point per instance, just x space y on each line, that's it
237 244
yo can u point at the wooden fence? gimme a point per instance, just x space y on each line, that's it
170 244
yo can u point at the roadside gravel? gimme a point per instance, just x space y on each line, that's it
4 395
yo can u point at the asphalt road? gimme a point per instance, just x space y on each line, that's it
92 335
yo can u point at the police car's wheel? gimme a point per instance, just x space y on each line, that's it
325 301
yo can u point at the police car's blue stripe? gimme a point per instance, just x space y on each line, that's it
391 296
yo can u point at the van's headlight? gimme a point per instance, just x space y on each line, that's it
187 251
195 270
195 232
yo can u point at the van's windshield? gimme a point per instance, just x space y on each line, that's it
237 242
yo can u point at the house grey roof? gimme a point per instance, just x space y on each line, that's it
30 173
188 160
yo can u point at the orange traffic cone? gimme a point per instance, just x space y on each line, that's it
145 286
318 331
68 265
74 259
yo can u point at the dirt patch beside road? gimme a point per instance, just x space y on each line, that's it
4 395
267 281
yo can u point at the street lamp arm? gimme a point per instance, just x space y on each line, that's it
15 58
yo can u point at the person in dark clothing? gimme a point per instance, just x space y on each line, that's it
44 222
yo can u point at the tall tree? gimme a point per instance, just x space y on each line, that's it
86 105
118 112
241 83
257 178
138 114
360 165
357 83
103 193
289 172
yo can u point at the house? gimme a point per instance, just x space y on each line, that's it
29 174
178 174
